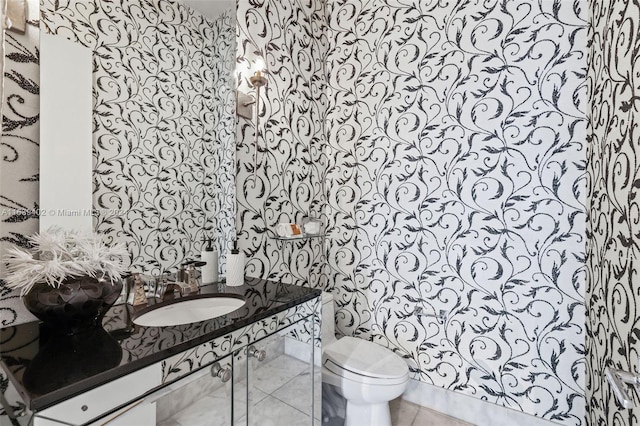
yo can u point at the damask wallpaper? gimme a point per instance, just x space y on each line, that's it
287 181
19 150
456 181
164 124
444 145
453 173
19 166
612 225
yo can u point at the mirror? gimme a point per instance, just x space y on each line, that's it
163 123
64 133
20 150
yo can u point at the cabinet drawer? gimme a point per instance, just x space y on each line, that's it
137 414
98 401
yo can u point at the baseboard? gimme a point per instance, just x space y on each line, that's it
468 408
300 350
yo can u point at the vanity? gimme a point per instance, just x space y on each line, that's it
158 177
257 364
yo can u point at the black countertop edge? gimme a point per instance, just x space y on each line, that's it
46 401
41 402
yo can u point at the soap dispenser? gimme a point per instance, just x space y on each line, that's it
210 269
235 267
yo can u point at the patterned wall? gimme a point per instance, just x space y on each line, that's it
163 163
288 181
186 116
19 151
223 113
612 226
453 171
456 181
19 167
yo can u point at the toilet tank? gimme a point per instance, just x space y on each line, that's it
328 319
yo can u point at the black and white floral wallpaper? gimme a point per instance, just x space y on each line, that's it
19 164
164 124
612 226
287 182
19 150
443 143
223 112
452 177
456 181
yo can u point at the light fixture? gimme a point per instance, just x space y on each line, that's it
257 80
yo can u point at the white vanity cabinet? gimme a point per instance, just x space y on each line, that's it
99 401
144 408
205 397
275 380
262 373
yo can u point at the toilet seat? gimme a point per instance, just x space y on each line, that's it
365 362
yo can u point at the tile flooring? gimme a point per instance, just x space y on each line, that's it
404 413
279 392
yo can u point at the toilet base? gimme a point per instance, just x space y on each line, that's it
368 414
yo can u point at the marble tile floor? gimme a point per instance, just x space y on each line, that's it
404 413
283 402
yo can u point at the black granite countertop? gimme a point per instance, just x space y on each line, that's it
47 368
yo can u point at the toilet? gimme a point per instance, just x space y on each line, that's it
364 373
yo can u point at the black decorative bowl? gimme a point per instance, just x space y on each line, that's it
77 304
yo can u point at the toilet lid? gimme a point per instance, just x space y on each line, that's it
365 358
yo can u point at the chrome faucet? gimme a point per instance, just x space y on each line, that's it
186 280
147 288
188 274
171 287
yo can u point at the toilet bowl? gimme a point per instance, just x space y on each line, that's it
364 373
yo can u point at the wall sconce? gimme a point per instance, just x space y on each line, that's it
244 101
244 105
257 80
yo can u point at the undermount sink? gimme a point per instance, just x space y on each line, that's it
189 311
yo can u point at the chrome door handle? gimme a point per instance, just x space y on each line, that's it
617 379
256 353
223 373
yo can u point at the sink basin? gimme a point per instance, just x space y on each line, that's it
189 311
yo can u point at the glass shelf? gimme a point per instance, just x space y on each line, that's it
300 237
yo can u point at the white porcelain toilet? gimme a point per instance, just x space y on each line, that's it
364 373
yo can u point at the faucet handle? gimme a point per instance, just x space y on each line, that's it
192 277
139 297
161 283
